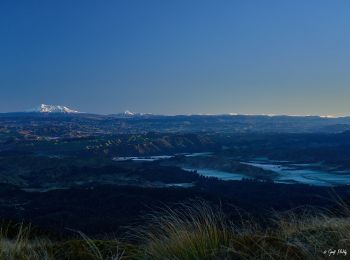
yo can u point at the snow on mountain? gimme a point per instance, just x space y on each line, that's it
52 109
128 113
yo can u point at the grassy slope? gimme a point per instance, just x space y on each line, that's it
197 231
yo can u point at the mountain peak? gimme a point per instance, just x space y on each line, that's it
43 108
128 113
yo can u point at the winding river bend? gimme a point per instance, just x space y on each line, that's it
303 173
288 172
222 175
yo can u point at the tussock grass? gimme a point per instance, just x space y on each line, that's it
314 232
196 230
22 246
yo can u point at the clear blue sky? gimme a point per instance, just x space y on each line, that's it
173 57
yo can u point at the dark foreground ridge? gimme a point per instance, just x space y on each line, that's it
197 231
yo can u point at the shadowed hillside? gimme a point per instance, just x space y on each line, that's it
196 231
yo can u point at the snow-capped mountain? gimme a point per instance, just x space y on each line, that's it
129 113
52 109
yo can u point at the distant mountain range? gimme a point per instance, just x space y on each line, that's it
43 108
57 109
64 118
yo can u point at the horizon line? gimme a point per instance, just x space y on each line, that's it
131 114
